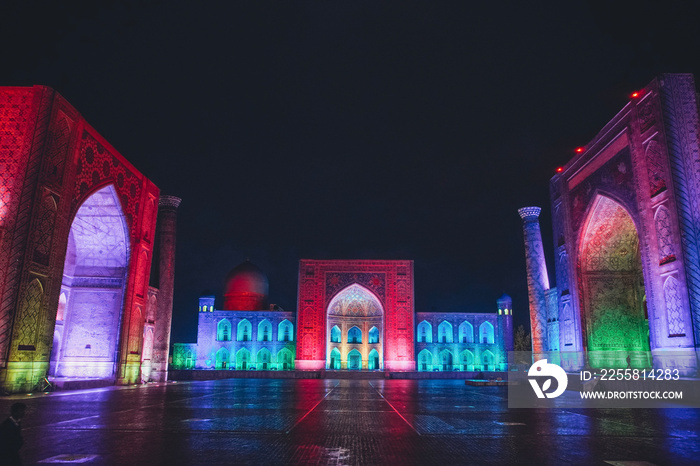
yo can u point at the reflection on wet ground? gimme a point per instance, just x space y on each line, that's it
287 421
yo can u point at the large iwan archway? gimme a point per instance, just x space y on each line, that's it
612 288
92 292
359 316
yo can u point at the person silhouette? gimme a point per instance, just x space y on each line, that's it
11 436
629 362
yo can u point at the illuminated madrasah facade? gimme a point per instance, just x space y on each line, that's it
626 224
78 231
354 315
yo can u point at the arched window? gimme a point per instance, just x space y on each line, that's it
373 361
373 335
354 360
466 333
425 332
487 361
245 330
425 360
285 331
335 334
284 359
335 360
445 332
222 358
263 359
446 360
354 335
223 330
265 331
486 333
466 359
242 359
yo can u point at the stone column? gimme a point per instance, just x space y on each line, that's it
537 279
166 228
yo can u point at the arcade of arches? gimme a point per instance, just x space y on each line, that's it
355 327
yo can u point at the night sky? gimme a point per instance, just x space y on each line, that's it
349 130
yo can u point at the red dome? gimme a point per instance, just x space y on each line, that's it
246 288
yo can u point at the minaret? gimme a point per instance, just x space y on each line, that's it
166 227
537 279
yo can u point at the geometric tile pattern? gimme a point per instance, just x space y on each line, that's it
664 234
355 301
611 242
28 317
672 295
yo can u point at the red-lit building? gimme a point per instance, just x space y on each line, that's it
77 228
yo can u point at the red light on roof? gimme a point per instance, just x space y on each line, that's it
560 169
579 150
634 95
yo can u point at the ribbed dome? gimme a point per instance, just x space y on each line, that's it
245 288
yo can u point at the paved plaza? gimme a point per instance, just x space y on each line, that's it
294 421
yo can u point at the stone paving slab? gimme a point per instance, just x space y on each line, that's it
354 422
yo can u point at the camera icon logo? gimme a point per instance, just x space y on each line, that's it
541 370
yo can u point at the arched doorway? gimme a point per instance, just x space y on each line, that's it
262 360
354 360
92 290
488 361
355 322
242 359
612 287
373 361
467 360
446 360
425 360
222 358
284 359
335 360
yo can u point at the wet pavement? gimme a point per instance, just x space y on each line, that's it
288 421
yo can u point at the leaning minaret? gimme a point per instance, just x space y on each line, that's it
537 279
167 223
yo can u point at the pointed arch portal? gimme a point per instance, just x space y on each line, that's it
355 319
92 291
612 286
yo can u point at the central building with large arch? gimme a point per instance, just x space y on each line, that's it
353 315
354 299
